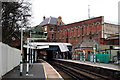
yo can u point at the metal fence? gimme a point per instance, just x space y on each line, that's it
9 58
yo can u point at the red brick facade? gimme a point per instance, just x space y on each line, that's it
74 32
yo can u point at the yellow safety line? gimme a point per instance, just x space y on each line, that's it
45 72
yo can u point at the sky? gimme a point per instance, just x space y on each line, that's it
74 10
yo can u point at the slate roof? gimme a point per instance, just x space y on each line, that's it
88 43
50 20
85 43
37 29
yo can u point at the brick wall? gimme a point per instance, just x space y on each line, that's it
79 30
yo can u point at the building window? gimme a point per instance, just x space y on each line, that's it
90 35
52 36
77 31
51 29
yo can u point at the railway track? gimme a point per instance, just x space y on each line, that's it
78 73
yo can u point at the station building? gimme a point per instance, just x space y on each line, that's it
86 34
83 34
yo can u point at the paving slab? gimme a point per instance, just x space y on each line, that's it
36 72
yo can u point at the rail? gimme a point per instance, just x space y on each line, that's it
78 71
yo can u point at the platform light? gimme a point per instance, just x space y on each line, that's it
21 61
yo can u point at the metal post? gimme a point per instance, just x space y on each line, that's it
21 61
30 51
110 55
35 55
99 45
76 55
32 55
119 44
119 39
27 57
84 54
80 55
57 55
94 55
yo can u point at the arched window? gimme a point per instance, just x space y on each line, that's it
52 36
90 35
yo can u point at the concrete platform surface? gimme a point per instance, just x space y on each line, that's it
38 71
51 73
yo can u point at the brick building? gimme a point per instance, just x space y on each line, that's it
83 34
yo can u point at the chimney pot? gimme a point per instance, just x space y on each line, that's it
43 17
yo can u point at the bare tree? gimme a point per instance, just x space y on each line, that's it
13 17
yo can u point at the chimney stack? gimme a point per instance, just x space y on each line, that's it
60 21
43 17
59 17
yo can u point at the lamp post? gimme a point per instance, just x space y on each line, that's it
118 48
80 55
30 51
99 45
84 54
21 61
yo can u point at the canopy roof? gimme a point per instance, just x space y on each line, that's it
43 45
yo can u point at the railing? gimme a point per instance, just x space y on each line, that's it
9 58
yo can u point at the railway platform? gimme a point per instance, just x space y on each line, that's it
97 64
38 71
88 70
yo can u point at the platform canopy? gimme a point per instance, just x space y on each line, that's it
46 45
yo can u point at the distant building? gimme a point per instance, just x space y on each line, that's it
50 26
83 34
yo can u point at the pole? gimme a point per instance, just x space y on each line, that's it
119 50
84 54
119 40
99 45
32 55
57 55
30 51
35 55
94 55
27 57
21 61
80 55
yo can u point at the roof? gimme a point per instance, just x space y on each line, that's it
88 43
37 29
50 20
44 45
49 43
85 43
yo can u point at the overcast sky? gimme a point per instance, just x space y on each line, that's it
74 10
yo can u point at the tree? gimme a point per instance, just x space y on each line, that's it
13 17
